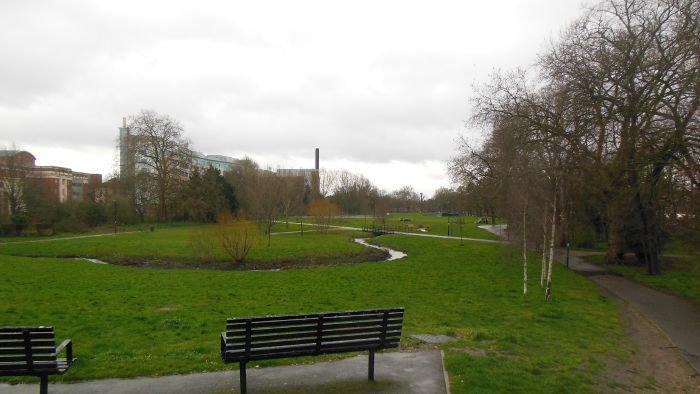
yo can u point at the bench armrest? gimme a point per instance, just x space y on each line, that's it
68 345
223 345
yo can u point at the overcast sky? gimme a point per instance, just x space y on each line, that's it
381 87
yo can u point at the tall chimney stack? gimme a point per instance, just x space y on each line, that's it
316 158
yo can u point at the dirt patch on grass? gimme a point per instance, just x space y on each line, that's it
652 362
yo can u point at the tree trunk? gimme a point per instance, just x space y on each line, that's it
649 248
524 251
269 233
551 246
544 258
616 234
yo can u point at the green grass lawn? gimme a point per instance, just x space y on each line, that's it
679 275
432 224
129 321
30 235
166 247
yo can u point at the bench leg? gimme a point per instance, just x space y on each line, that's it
370 368
243 383
44 385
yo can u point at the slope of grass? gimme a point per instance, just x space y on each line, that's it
128 321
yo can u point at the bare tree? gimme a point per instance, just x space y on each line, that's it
327 182
237 236
14 170
291 195
159 148
265 200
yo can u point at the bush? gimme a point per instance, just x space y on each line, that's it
93 214
21 221
44 228
7 229
238 237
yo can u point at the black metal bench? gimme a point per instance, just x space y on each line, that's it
282 336
32 351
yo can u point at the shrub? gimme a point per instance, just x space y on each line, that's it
237 236
21 221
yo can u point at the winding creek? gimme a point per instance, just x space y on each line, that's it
393 254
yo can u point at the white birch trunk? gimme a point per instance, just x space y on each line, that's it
544 258
524 251
551 246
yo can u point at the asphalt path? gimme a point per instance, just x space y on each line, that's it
677 317
394 372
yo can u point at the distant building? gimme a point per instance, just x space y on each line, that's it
220 162
62 183
311 176
128 164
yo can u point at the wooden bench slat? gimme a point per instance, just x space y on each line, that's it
257 330
19 335
315 315
34 343
30 328
327 327
37 365
35 358
284 340
275 337
262 331
20 350
267 354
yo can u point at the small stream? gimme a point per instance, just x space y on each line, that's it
393 254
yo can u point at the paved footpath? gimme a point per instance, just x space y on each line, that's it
394 372
677 317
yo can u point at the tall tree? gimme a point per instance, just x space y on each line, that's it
265 201
630 73
160 148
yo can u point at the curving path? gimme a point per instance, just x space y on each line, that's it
677 317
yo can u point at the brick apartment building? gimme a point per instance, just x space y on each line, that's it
62 183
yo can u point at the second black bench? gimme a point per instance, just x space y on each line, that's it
282 336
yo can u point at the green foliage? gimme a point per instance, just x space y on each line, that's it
93 214
20 221
206 194
123 325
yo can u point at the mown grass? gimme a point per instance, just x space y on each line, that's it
128 321
434 225
174 247
679 275
31 235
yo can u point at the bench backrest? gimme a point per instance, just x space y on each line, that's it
281 336
27 350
